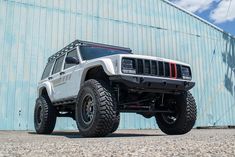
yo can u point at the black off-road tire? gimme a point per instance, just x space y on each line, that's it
116 123
44 116
187 113
104 107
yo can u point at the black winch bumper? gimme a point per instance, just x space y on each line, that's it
158 84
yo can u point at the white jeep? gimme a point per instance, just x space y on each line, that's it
93 83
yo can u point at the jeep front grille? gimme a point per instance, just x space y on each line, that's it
158 68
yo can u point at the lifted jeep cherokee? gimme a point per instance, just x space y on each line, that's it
92 83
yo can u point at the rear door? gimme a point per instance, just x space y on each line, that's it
55 78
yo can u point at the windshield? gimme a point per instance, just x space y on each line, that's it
92 52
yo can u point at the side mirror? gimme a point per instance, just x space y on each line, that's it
71 60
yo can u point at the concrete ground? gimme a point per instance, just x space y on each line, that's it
212 142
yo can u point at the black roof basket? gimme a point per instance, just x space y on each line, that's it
85 43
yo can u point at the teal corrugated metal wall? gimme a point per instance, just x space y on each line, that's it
32 30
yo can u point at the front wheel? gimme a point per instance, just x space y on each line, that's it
183 116
95 109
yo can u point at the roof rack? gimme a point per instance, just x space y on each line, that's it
76 43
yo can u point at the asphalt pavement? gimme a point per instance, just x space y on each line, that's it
123 143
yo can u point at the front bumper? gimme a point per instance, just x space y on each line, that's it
157 84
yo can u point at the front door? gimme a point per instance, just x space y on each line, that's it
71 77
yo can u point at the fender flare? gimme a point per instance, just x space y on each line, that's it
106 64
47 86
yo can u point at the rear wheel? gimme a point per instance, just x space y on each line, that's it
95 109
44 116
116 123
183 116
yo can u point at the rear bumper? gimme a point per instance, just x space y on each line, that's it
158 84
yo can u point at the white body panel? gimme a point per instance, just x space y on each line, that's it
70 82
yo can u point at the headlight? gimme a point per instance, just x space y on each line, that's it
186 73
128 66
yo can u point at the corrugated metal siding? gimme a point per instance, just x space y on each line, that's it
32 30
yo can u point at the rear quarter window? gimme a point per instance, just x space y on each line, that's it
47 70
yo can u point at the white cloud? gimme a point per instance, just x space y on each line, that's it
219 14
194 5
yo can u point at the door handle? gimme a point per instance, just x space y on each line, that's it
49 78
62 73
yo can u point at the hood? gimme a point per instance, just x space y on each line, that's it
153 58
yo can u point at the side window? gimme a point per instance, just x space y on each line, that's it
47 70
74 54
58 64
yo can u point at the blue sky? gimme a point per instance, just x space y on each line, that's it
219 12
